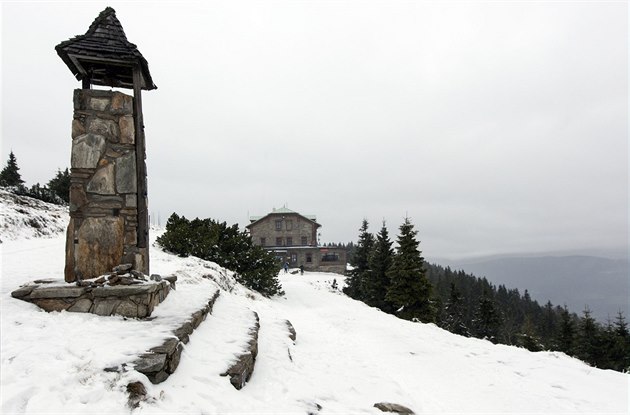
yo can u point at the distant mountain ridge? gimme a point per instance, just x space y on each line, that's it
575 280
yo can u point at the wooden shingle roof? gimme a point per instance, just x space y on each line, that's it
104 55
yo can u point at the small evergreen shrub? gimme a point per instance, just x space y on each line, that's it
229 247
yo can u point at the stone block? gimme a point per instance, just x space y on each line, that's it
52 304
127 130
123 290
78 198
183 332
100 246
196 319
150 362
140 259
172 279
292 332
105 306
173 361
111 153
168 347
64 291
103 181
82 305
122 268
78 128
23 291
126 181
87 150
121 103
106 201
78 99
159 377
107 128
131 237
127 308
98 104
143 311
131 200
394 408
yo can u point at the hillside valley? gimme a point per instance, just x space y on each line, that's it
577 281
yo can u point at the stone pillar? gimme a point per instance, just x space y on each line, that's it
103 193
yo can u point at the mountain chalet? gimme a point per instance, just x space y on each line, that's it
292 237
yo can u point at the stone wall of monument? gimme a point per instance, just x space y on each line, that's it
103 193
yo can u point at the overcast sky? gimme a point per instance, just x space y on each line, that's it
497 127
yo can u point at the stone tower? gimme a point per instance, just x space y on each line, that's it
108 193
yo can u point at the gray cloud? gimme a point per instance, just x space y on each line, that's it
497 127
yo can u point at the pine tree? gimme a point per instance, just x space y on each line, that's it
356 280
567 333
588 347
528 338
455 320
410 290
377 281
60 185
620 351
10 174
487 319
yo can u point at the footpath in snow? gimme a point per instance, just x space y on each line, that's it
346 357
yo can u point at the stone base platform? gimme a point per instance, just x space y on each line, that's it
134 301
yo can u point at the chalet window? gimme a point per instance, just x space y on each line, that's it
304 240
279 225
293 257
289 225
289 241
263 241
278 241
309 258
330 257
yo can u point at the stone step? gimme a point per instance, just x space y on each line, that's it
242 369
161 361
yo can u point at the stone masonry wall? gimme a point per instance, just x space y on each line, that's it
293 226
103 193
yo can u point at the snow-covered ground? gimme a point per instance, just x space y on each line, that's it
347 356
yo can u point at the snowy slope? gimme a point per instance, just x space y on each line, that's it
24 217
347 356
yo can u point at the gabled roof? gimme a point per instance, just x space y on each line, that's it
282 211
104 55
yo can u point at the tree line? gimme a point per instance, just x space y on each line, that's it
56 191
399 281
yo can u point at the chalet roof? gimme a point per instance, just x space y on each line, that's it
104 55
282 211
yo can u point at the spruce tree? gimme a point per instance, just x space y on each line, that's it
409 291
377 281
356 280
528 338
588 347
10 174
60 185
567 332
455 319
621 348
487 319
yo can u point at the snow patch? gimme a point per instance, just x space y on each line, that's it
23 217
